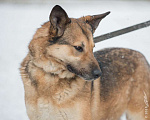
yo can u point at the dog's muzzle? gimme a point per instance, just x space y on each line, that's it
93 75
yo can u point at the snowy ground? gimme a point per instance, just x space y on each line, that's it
18 23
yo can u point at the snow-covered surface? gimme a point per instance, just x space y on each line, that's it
19 22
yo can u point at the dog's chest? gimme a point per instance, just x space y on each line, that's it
47 110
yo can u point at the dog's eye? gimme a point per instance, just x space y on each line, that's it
78 48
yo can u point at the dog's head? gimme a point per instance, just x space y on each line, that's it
65 45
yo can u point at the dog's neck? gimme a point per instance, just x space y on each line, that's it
53 66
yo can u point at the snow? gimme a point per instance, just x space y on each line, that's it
20 21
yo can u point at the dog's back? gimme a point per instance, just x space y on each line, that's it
125 84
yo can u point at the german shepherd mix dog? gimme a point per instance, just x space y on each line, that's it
64 81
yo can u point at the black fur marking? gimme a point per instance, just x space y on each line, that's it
53 40
26 67
63 42
58 40
33 81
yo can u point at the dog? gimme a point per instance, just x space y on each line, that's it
64 80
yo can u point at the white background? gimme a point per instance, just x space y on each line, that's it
18 23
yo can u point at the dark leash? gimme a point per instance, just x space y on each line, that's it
121 31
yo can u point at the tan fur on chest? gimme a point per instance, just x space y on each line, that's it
46 110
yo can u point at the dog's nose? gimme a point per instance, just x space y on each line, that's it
97 73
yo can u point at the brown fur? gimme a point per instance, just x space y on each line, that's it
58 79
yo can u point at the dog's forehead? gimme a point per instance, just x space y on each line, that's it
78 30
80 25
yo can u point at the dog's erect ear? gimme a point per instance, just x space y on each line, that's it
95 20
58 19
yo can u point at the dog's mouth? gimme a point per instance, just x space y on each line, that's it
84 75
71 69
